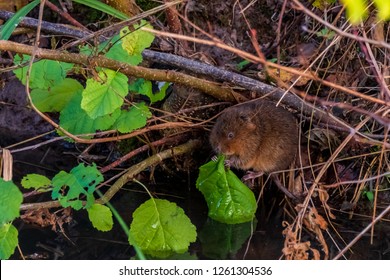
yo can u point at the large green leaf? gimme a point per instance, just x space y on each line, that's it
36 181
44 73
133 119
99 98
75 120
10 200
229 200
55 98
101 217
69 188
161 228
8 240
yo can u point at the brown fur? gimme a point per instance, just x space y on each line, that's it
256 135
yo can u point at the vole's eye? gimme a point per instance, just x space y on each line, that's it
230 135
244 117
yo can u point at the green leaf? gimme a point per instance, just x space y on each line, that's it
356 10
369 195
9 27
8 240
229 200
103 8
75 120
161 228
242 64
100 99
36 181
323 4
117 52
133 119
326 33
101 217
144 87
219 241
134 42
113 49
44 73
10 200
69 188
383 9
54 99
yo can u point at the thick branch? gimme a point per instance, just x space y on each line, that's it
135 71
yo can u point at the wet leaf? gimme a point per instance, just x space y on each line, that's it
101 217
161 228
229 200
219 240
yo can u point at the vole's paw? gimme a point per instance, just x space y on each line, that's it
251 175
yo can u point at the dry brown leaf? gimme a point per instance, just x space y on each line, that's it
44 218
286 77
12 5
6 162
324 197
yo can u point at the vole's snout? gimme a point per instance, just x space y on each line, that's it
218 149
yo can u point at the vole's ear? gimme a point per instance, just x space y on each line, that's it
251 126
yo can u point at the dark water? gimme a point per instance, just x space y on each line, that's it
261 239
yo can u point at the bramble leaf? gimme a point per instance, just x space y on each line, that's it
69 188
